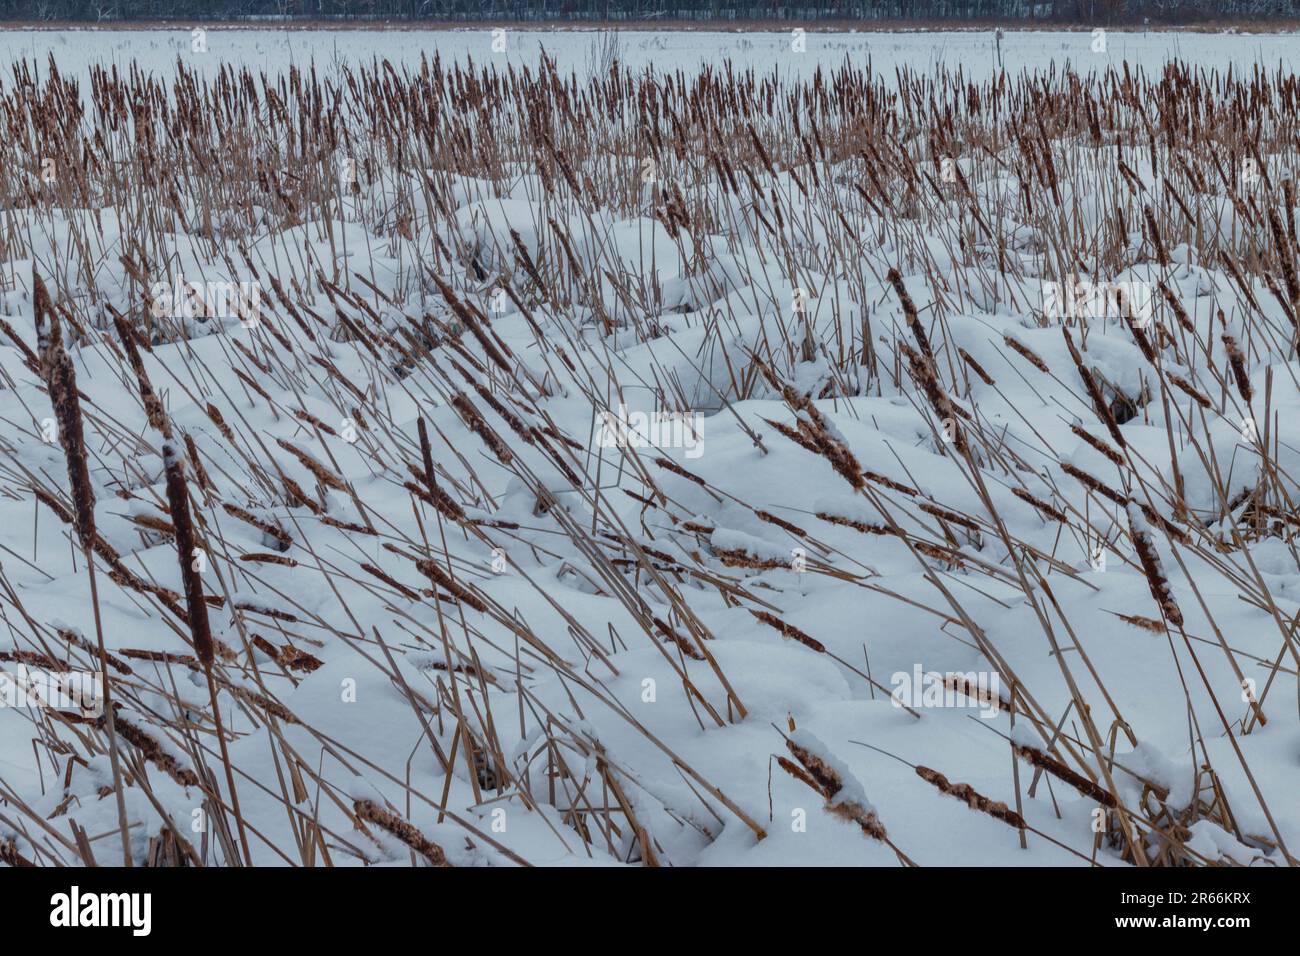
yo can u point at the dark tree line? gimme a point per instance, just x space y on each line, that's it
1074 11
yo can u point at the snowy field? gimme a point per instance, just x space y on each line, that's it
273 51
588 467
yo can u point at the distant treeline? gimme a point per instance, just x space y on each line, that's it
923 11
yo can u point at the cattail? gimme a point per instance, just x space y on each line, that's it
831 447
200 473
1180 313
1115 458
1019 347
683 643
61 381
962 685
952 517
1049 764
275 709
178 503
1285 256
968 795
794 435
349 526
1099 404
895 279
260 558
470 415
843 793
409 593
1143 343
677 469
76 640
267 528
1190 390
32 659
433 571
1152 567
924 374
1161 255
975 367
1093 484
1051 511
153 523
402 830
299 660
781 523
1238 363
29 357
315 422
322 474
1145 623
861 526
186 549
886 482
470 322
215 414
739 558
160 657
153 752
790 631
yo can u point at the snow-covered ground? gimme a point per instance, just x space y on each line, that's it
767 455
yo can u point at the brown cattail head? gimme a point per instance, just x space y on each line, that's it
1139 530
1238 363
61 381
187 551
402 830
148 397
178 502
973 799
